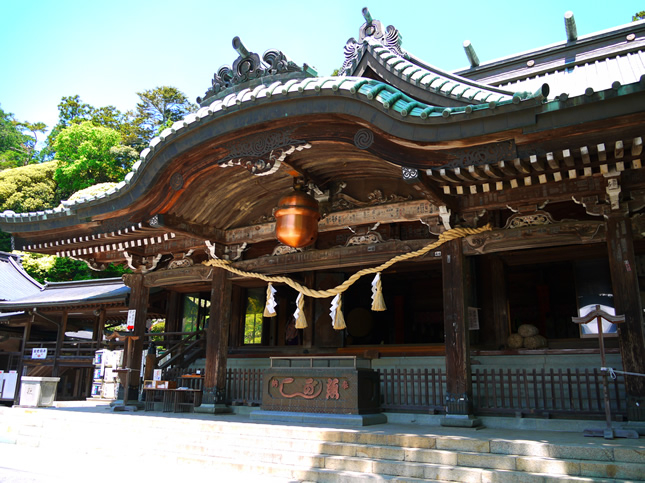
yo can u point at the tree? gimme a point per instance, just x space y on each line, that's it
17 140
638 16
158 109
25 189
87 155
28 188
50 268
72 110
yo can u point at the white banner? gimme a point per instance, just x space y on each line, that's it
131 315
39 353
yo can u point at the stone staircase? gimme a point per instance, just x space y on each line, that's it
247 451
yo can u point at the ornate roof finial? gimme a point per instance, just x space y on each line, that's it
239 47
366 15
373 29
248 66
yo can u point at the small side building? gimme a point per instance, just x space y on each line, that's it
68 320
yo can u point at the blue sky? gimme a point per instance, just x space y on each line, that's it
107 50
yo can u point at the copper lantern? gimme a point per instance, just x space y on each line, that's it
296 220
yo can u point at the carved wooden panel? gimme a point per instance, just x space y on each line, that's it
570 233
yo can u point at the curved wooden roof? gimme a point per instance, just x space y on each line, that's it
225 167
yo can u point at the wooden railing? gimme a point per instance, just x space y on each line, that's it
244 386
413 389
519 392
84 349
570 391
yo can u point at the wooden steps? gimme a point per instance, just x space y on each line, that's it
283 453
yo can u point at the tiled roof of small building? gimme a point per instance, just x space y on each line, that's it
64 293
15 283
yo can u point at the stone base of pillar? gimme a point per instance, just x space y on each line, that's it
461 421
118 405
120 408
213 409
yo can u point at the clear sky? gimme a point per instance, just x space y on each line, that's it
107 50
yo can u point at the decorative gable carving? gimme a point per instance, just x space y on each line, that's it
389 38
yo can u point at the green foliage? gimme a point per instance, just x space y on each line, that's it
17 141
50 268
159 108
28 188
638 16
87 156
93 190
158 326
5 241
72 110
253 318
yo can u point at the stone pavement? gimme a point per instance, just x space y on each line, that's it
427 452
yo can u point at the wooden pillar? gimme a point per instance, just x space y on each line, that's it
217 338
173 320
21 362
59 343
627 301
308 332
236 330
495 328
98 328
455 303
139 303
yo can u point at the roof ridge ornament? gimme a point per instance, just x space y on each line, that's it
389 38
248 67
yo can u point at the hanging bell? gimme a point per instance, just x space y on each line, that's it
296 220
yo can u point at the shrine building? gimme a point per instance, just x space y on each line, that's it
490 206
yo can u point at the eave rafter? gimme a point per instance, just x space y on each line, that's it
104 244
540 169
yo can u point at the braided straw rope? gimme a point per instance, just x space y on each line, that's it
321 294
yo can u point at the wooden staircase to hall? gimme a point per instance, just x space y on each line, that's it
394 453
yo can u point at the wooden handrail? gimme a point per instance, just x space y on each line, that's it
181 347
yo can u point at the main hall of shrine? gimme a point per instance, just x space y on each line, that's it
430 223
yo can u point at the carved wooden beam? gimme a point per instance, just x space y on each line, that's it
392 213
537 236
352 256
178 276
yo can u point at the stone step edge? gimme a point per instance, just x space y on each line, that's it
459 473
322 461
278 441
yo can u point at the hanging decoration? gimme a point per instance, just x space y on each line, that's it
336 313
299 314
378 301
296 219
269 308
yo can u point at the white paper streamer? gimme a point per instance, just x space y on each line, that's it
269 308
